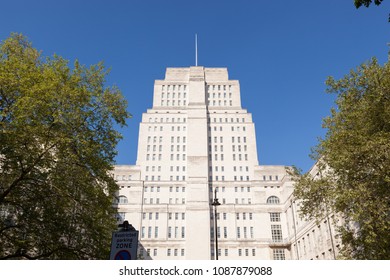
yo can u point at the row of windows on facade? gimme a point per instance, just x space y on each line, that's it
274 216
173 103
171 189
173 232
184 120
123 199
278 254
173 87
243 215
171 168
240 234
161 128
154 157
235 178
233 139
240 252
239 148
236 201
220 128
248 189
171 215
221 157
178 138
153 178
168 120
148 252
219 103
218 87
153 148
171 201
173 95
226 120
265 178
219 95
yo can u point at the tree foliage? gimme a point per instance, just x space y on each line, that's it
354 163
57 146
366 3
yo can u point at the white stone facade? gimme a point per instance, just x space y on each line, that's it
196 140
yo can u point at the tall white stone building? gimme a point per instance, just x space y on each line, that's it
195 142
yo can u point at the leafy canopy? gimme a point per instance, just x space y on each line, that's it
354 163
57 147
366 3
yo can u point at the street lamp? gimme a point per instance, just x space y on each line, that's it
215 204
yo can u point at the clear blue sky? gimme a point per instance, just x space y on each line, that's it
280 51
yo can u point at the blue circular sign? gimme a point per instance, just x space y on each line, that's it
123 255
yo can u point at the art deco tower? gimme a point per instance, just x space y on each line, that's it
195 140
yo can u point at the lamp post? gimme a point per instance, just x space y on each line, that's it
215 204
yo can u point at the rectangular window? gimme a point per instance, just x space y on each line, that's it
274 217
278 254
276 233
149 232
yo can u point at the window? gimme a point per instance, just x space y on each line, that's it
122 199
155 232
273 200
168 252
274 217
278 254
276 233
149 232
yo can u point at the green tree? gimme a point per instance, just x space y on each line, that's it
354 163
366 3
57 147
